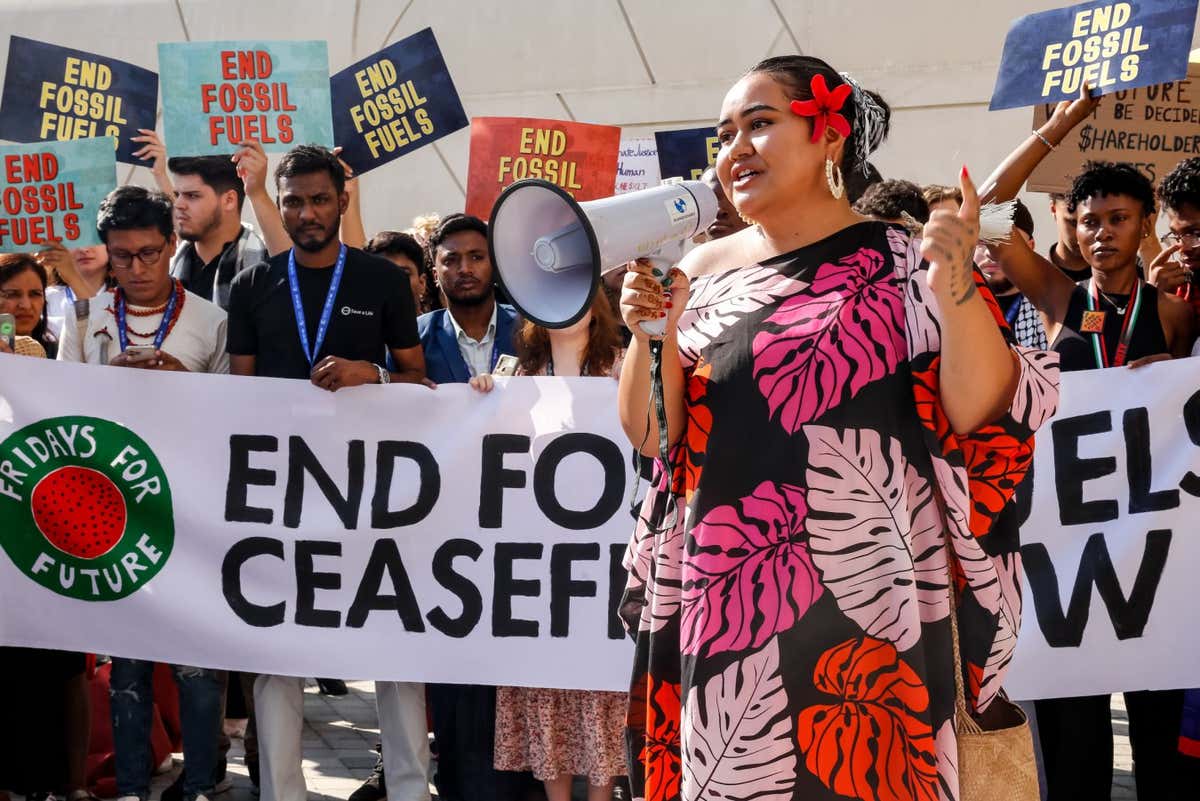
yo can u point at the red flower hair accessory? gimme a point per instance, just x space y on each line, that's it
824 107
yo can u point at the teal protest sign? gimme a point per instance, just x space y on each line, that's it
53 190
218 94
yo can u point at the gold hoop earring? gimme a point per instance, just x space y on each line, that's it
837 187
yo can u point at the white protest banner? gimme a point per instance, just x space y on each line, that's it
637 165
409 534
268 526
1111 546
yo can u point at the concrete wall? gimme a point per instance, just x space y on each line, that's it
640 64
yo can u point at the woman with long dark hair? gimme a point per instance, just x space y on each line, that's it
845 418
558 734
23 295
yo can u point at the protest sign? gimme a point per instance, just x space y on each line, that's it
637 165
384 532
217 94
53 191
579 157
54 93
1152 127
688 153
394 533
394 102
1109 543
1109 46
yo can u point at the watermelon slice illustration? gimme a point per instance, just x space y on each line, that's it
80 511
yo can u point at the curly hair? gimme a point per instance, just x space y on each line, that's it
1105 178
887 200
1181 186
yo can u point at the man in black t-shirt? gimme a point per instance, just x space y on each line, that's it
329 314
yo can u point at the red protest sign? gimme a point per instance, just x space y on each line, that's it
579 157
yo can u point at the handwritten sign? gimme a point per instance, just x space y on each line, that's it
579 157
1109 46
52 190
54 93
400 99
218 94
1153 127
688 153
637 165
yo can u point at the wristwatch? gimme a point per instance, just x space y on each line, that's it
384 376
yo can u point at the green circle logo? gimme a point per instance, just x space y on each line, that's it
85 508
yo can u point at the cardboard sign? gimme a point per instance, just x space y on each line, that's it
579 157
218 94
394 102
1109 46
52 190
1153 127
637 165
54 93
688 153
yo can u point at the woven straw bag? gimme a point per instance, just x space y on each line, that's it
995 748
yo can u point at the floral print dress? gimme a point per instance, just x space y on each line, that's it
789 581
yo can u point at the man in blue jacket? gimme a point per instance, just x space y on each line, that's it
463 340
474 331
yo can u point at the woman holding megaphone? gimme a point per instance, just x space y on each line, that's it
843 419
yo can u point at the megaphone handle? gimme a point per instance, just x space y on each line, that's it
656 328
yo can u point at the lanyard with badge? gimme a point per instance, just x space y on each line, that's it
1093 323
311 351
164 327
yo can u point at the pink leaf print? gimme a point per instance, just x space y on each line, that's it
830 341
737 735
719 301
947 761
922 329
1036 398
747 574
653 558
875 533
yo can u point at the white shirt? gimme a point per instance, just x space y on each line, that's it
477 353
197 340
58 309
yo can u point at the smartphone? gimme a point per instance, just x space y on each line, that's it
507 365
140 351
8 330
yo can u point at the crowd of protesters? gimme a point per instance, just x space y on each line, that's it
183 284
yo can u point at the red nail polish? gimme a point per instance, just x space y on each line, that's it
662 314
965 174
668 304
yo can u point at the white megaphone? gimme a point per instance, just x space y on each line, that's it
549 251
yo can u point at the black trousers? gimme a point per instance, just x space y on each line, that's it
1077 746
33 739
464 732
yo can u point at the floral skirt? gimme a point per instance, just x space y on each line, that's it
555 732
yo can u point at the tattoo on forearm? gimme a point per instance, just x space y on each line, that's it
962 283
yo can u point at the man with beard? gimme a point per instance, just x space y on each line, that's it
463 340
208 216
469 336
329 314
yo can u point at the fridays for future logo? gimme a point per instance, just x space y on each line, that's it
85 508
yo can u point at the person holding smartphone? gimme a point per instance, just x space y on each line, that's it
150 321
1177 268
23 305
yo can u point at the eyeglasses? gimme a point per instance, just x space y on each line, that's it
123 260
1189 239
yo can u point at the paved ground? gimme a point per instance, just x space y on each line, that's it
340 736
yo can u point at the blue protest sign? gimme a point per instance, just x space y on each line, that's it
54 93
218 94
1109 46
393 102
686 154
53 191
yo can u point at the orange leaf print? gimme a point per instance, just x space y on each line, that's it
996 463
872 744
654 712
695 438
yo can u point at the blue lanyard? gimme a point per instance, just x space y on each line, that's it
70 293
326 312
168 315
1011 315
